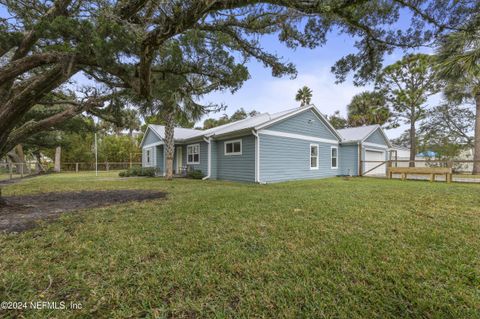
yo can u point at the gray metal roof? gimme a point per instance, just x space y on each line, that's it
357 133
251 122
181 134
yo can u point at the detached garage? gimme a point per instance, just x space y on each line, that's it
374 148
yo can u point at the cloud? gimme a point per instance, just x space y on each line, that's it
267 94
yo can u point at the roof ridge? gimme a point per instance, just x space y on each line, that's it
238 121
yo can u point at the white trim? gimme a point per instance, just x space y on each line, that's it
381 132
257 156
300 110
310 156
193 154
145 134
375 145
153 144
298 136
374 150
233 153
281 118
209 159
331 157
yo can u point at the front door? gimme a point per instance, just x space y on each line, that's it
179 160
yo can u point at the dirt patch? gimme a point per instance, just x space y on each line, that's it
22 212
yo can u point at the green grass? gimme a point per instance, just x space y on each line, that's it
334 248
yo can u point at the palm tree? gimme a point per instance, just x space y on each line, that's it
368 108
458 65
175 104
304 96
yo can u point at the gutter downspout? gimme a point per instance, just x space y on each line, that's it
209 165
257 156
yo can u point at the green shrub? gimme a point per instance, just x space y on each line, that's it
195 174
138 171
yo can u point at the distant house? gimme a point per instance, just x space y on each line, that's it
290 145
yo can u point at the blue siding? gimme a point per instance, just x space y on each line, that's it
237 167
203 165
150 138
348 160
305 123
283 159
377 138
159 154
214 150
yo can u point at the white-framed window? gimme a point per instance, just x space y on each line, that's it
334 157
233 147
148 156
193 154
313 156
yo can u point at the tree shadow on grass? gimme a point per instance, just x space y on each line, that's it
22 212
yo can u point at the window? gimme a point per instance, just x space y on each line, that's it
313 156
193 154
334 157
233 147
148 158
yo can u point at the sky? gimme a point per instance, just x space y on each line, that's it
265 93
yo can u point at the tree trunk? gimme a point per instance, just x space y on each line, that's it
413 144
476 152
21 155
38 166
169 144
58 156
14 159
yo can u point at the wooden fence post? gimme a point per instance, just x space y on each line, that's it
76 167
10 168
21 170
106 165
448 177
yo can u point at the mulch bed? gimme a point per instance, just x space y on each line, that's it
22 212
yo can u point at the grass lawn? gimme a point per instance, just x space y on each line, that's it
359 248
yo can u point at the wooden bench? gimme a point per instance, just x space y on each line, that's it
432 171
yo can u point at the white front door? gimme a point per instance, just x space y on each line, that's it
179 160
376 157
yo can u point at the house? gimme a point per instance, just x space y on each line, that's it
295 144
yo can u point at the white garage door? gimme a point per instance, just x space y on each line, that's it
376 157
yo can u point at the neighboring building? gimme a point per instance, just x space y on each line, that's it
290 145
401 153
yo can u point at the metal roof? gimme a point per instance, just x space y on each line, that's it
180 134
262 120
357 133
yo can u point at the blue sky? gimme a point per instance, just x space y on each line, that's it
265 93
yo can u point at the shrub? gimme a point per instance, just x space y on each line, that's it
195 174
138 171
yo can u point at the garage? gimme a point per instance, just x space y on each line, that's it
372 159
